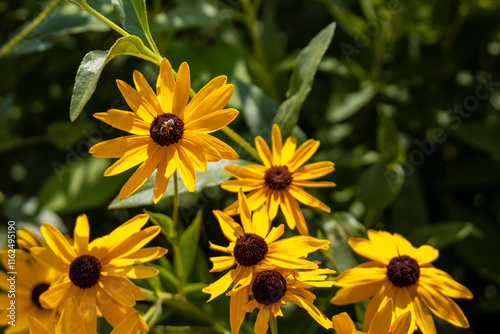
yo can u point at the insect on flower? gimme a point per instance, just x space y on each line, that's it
167 126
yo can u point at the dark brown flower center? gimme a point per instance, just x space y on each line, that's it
37 291
403 271
278 177
268 287
166 129
250 249
85 271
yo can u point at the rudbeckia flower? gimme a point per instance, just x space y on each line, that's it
274 288
32 279
167 132
97 274
381 323
253 246
403 273
280 181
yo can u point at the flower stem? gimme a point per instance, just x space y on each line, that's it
175 213
29 28
273 323
104 19
242 142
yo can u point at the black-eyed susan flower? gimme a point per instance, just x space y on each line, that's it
32 278
281 180
274 288
403 273
167 132
97 274
381 323
252 246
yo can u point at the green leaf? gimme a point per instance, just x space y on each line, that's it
442 234
258 109
189 244
79 185
351 23
351 103
134 18
214 176
483 135
93 63
186 329
380 184
165 222
306 65
168 278
64 133
388 142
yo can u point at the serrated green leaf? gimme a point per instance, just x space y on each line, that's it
306 65
93 63
380 184
189 244
442 234
214 176
165 222
79 185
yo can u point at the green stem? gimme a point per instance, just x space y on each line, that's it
273 323
370 217
104 19
326 254
175 213
242 142
36 21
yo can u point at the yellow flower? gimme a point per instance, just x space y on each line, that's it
72 319
403 273
32 278
97 274
273 288
381 323
253 246
165 132
27 239
280 181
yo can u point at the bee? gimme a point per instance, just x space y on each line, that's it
167 126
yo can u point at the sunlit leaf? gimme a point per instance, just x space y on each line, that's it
306 65
92 65
189 244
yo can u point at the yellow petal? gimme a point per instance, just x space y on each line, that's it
245 213
423 317
161 180
381 322
444 283
195 152
303 153
216 100
262 322
222 263
343 324
58 243
353 294
117 289
70 318
81 235
245 185
140 175
129 325
57 293
293 213
252 172
367 272
402 323
264 151
261 222
229 227
165 86
306 198
202 94
132 158
297 246
182 89
36 327
426 254
136 102
313 171
143 255
311 309
212 122
220 286
275 234
312 184
224 150
288 150
236 311
186 169
147 93
116 148
50 259
277 142
133 272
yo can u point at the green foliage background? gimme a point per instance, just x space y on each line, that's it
405 101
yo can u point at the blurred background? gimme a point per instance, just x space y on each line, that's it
406 102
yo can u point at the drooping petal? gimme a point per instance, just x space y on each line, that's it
423 317
313 311
442 282
162 178
220 286
381 322
140 175
236 310
186 169
129 324
292 212
195 152
116 148
306 198
117 289
262 322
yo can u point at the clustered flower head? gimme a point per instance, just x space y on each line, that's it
72 281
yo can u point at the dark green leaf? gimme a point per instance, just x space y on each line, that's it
306 65
165 222
442 234
64 134
214 176
185 329
79 185
351 104
189 244
388 143
169 280
92 65
483 135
